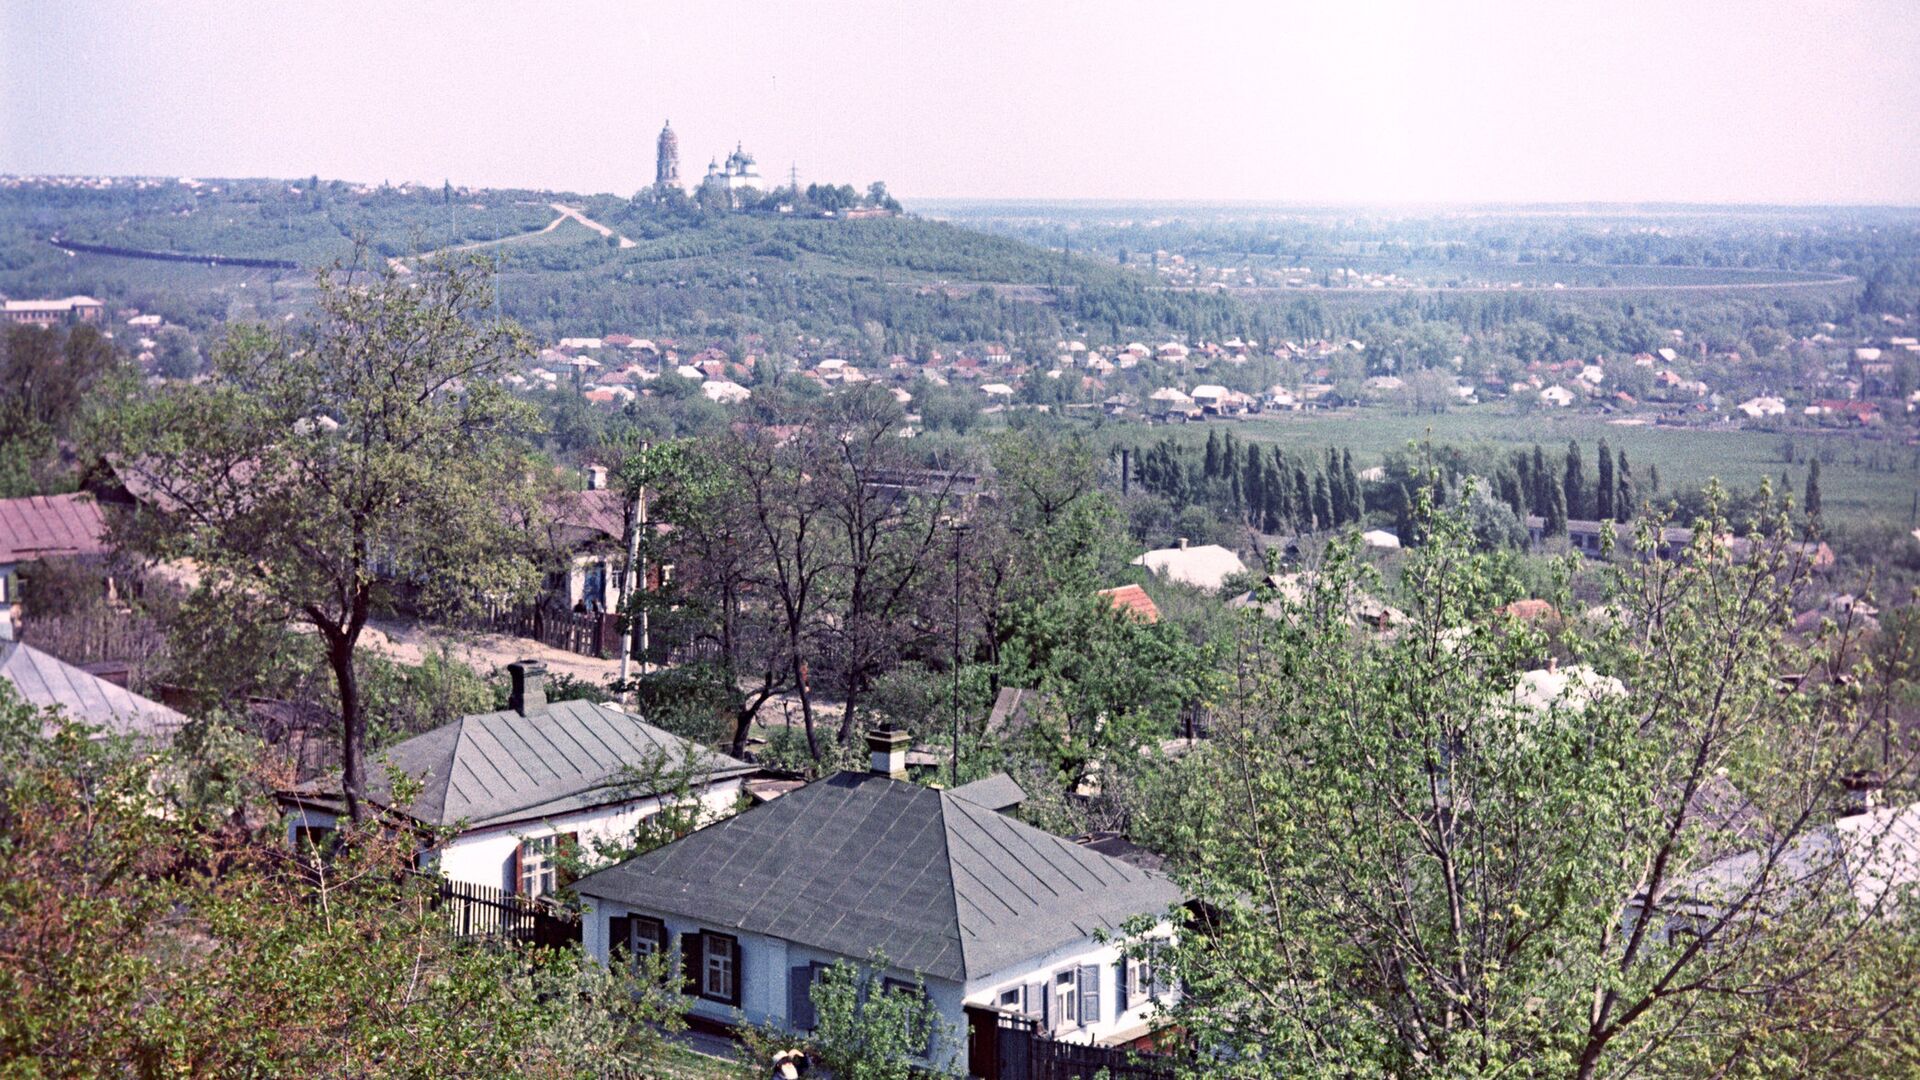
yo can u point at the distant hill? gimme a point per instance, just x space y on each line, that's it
879 284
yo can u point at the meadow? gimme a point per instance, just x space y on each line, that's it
1856 486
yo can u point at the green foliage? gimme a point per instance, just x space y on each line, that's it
323 474
1413 868
143 931
868 1026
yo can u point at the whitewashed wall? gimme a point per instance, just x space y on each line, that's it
485 856
1112 1021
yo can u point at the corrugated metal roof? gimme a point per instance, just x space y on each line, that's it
39 526
860 862
501 766
49 682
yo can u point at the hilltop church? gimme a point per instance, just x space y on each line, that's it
738 173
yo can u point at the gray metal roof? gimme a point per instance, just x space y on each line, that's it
995 792
49 682
503 766
858 862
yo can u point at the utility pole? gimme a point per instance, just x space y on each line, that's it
628 583
959 529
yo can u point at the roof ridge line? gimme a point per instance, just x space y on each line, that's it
953 878
453 765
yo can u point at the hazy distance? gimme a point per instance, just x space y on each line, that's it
1749 101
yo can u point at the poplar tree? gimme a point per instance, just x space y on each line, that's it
1573 487
1603 495
1813 490
1556 515
1625 498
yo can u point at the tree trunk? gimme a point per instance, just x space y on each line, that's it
806 701
353 723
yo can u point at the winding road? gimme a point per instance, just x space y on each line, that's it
562 212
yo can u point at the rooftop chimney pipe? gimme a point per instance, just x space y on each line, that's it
888 750
529 693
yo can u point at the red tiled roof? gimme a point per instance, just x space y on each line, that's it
43 525
1133 600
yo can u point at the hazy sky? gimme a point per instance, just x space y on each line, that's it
1342 100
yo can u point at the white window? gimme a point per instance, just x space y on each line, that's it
1010 999
537 867
1139 980
1066 999
719 968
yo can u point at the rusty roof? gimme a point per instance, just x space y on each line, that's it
39 526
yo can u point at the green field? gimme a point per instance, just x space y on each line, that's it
1851 491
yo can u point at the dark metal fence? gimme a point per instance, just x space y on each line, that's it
1004 1046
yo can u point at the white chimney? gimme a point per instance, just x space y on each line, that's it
596 477
888 750
1183 543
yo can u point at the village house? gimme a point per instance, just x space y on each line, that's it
986 913
79 309
38 527
1204 567
517 784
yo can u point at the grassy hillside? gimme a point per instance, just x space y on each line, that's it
885 284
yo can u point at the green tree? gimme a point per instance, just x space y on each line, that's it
1573 485
1416 863
1812 507
1323 509
179 357
144 931
1626 499
1556 515
1603 495
318 474
870 1027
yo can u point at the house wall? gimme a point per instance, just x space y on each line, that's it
766 961
485 856
1112 1021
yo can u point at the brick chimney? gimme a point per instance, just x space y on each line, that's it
529 693
888 750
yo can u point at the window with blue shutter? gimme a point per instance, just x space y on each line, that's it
1122 1000
800 982
1089 995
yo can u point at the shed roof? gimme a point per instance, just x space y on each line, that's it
39 526
49 682
859 862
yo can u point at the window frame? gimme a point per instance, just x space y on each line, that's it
730 954
1066 1011
535 862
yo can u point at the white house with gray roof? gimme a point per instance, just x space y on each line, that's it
985 910
517 783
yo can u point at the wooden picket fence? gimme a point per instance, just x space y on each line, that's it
586 633
480 912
